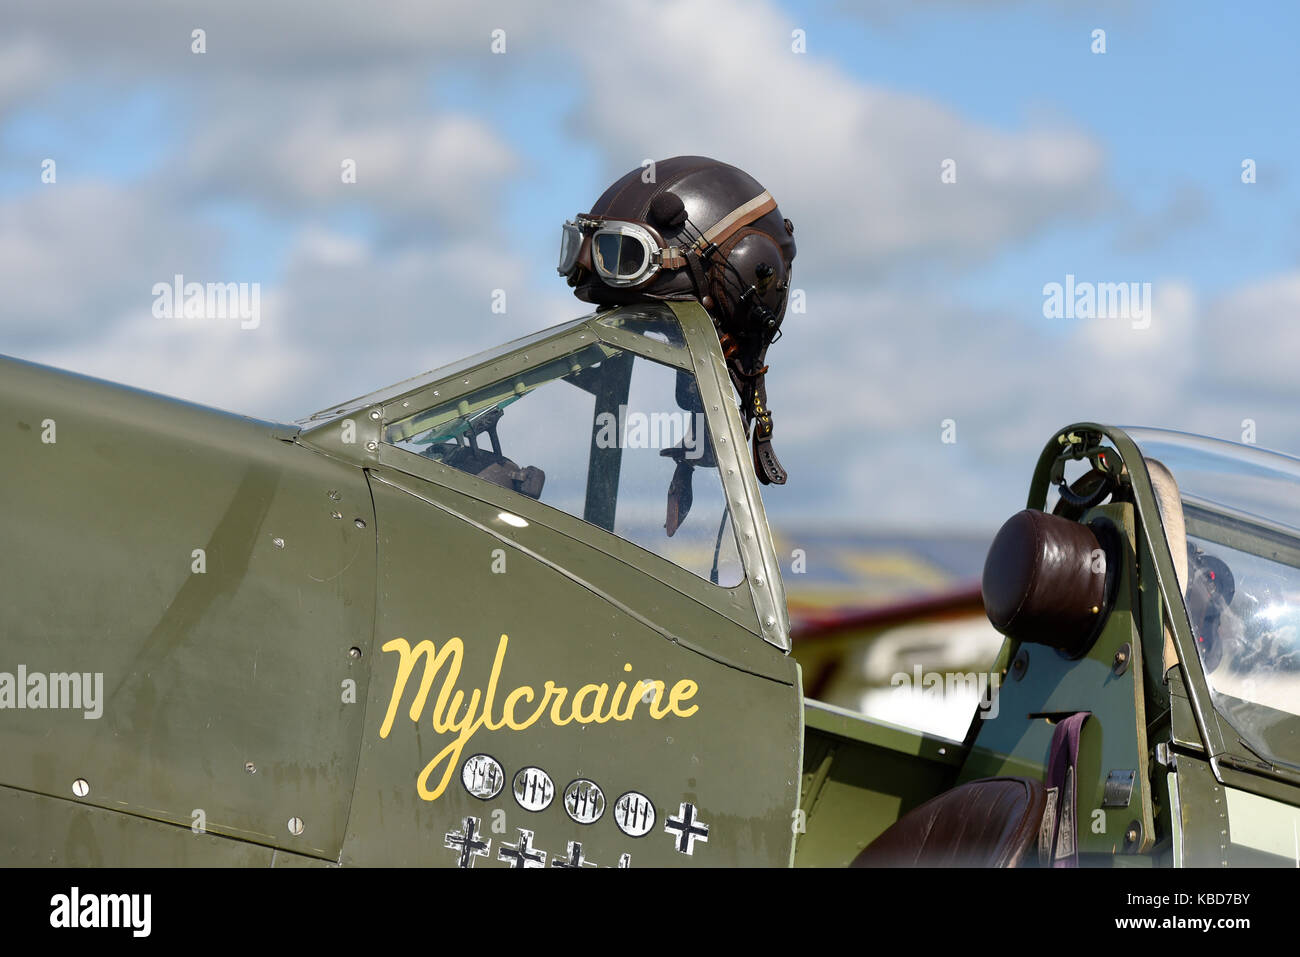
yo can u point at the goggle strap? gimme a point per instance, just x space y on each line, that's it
738 218
672 258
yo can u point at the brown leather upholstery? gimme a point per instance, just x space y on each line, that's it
1045 581
992 822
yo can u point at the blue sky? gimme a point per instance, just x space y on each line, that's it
925 300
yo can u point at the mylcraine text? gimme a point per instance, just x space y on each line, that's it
590 704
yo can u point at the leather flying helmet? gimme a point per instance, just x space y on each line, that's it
690 227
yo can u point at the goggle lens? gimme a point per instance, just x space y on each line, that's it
622 252
570 243
619 256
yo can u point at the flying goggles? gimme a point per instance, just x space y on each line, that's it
626 253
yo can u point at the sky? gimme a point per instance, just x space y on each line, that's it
925 375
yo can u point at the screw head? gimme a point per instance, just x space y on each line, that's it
360 523
250 767
336 514
81 787
278 542
295 826
375 414
354 652
334 495
1020 664
371 446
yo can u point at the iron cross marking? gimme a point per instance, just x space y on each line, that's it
522 853
575 857
687 829
466 844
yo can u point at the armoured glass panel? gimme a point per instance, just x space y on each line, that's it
652 320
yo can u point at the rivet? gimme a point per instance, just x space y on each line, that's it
295 826
1020 664
278 542
770 621
359 523
375 414
371 446
354 652
80 787
758 580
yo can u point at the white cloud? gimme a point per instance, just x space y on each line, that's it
24 63
447 167
77 257
856 166
1254 334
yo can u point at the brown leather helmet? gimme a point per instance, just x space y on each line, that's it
690 227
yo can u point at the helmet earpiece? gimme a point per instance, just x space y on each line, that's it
668 212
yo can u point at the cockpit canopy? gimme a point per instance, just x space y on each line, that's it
624 419
1241 512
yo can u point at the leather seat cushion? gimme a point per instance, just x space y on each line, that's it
992 822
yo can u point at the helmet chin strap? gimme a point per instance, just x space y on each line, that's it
746 333
745 364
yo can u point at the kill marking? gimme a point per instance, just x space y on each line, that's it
533 789
522 853
687 829
584 801
482 776
634 813
466 844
